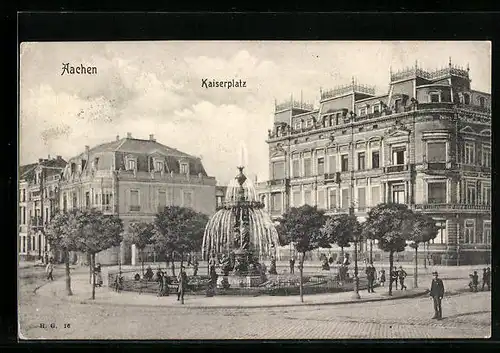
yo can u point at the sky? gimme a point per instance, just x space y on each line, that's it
156 88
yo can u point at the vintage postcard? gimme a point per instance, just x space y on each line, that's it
254 190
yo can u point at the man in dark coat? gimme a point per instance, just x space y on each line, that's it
486 278
182 279
292 265
370 276
437 293
394 276
402 275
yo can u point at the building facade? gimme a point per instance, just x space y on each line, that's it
425 143
134 179
38 202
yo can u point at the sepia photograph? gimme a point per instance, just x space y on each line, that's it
271 190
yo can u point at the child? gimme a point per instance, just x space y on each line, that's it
382 277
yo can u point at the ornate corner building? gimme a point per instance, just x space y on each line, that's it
426 143
38 202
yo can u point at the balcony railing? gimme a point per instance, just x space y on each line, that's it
451 206
276 182
435 105
396 168
436 165
135 208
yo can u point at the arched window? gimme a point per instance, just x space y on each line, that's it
466 98
481 102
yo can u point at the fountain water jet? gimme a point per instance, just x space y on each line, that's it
241 230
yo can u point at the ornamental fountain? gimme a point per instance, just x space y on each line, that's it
242 233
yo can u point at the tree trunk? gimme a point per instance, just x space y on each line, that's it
301 271
426 255
342 253
415 279
93 275
172 263
391 264
142 261
89 260
182 259
68 277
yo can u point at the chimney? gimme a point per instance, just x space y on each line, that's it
117 137
40 160
129 135
152 138
59 157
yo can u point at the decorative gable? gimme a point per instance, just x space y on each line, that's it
467 129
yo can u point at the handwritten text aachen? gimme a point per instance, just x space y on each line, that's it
78 70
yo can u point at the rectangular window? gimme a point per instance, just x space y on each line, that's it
187 199
345 198
309 123
486 194
332 166
436 192
134 200
361 161
376 108
184 168
276 202
24 215
441 237
361 198
333 199
65 203
397 105
278 170
398 156
296 198
297 125
75 200
436 152
469 153
321 166
375 195
307 167
344 162
296 168
307 197
471 193
24 195
162 200
487 232
375 159
434 97
362 111
469 231
158 166
486 156
131 164
321 199
87 199
398 193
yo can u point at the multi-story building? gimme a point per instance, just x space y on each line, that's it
425 143
38 202
135 179
220 196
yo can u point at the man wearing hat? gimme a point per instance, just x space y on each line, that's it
182 279
437 293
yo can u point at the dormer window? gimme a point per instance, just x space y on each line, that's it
95 163
434 97
309 123
84 163
376 108
481 102
466 98
298 125
158 166
131 164
362 111
184 168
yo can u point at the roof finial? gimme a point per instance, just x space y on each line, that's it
468 69
416 65
449 64
353 82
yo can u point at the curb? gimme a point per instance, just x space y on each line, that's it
181 306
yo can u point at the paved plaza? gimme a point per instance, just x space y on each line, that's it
325 316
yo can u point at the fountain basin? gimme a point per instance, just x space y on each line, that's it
236 281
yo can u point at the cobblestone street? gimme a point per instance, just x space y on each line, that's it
466 315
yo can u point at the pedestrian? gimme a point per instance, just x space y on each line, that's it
195 266
402 275
437 293
394 276
189 259
382 277
98 275
159 279
292 265
475 281
182 279
49 269
370 276
486 279
118 282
